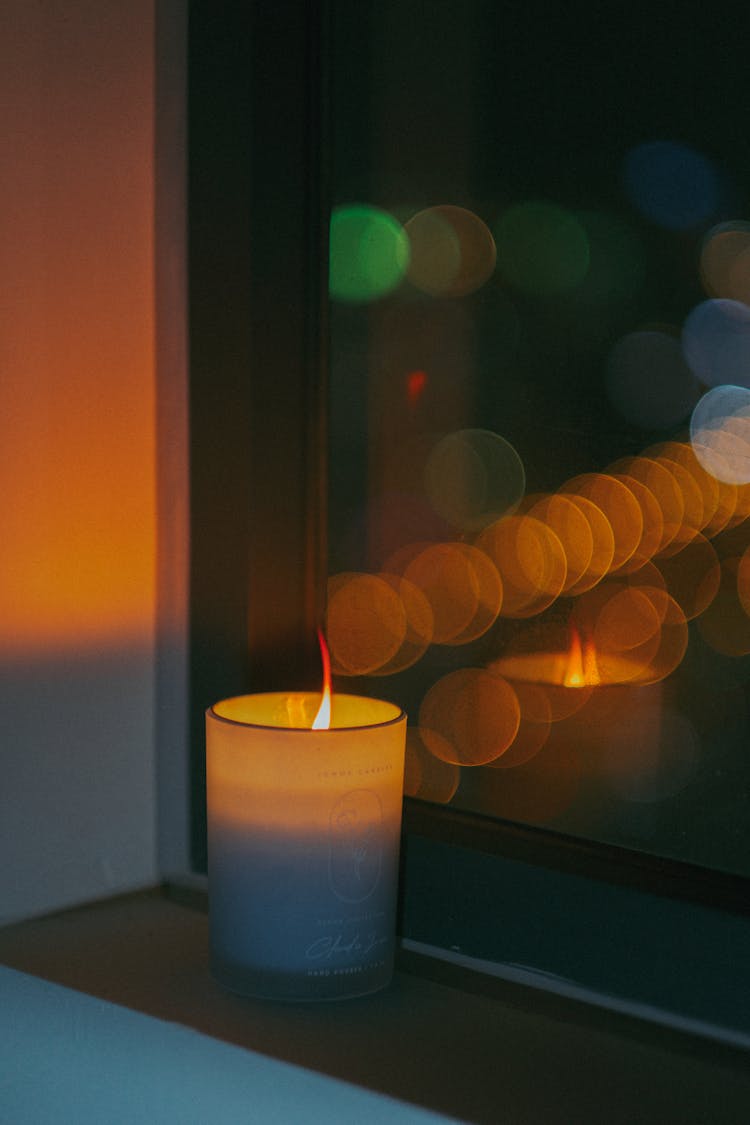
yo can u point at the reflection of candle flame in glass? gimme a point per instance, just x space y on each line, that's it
582 669
322 720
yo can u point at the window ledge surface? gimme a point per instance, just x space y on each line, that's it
488 1052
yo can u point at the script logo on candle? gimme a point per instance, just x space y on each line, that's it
356 850
332 945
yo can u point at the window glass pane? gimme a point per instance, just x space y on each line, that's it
540 411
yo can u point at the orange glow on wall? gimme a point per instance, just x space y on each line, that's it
77 366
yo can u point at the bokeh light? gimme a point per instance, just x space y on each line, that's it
419 625
462 587
672 184
622 510
647 576
530 560
620 633
369 253
541 248
627 621
725 261
692 501
529 740
682 453
728 508
716 342
428 776
452 251
720 433
649 382
603 544
416 385
663 487
473 477
366 623
652 522
563 516
469 717
673 638
622 624
725 626
692 576
533 729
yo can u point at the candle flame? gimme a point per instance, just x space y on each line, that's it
322 720
582 670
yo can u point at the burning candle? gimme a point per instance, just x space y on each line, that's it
304 819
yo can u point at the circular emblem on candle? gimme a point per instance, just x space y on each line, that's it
356 852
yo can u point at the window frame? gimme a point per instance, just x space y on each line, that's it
254 434
256 245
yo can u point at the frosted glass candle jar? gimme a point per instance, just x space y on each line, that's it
303 839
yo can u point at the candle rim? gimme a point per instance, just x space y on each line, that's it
212 713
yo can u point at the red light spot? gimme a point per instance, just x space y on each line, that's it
416 381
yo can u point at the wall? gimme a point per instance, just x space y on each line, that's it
77 457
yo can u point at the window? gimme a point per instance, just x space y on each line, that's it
531 366
541 194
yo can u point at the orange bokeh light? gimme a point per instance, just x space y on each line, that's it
461 586
365 623
653 524
469 717
571 527
603 545
530 560
428 776
725 625
708 486
419 625
662 484
621 508
692 576
725 261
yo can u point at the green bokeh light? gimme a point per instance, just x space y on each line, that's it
541 248
369 253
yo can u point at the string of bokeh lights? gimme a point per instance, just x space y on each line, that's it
630 554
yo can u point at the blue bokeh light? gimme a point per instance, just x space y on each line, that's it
716 342
672 184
